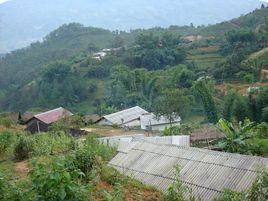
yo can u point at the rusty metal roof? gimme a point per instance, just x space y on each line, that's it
206 172
53 115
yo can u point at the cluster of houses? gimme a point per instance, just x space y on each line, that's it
153 160
101 54
134 117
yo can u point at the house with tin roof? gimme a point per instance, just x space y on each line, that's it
125 118
151 122
42 121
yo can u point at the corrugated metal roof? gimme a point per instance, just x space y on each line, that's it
206 172
53 115
125 116
151 119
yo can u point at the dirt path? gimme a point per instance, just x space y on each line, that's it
22 169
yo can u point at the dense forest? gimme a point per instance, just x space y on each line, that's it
182 67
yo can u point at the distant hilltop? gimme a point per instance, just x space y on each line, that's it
39 17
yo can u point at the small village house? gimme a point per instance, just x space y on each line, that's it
42 121
92 119
151 122
125 118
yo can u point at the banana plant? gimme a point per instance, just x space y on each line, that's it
235 138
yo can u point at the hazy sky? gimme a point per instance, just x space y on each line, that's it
2 1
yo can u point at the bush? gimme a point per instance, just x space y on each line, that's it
9 191
6 122
177 191
6 139
84 160
49 143
110 175
183 129
23 148
265 114
64 125
59 183
92 144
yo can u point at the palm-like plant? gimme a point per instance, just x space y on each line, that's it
235 139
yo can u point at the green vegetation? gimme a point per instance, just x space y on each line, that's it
244 138
62 168
60 71
56 166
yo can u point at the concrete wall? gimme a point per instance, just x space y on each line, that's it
160 127
182 140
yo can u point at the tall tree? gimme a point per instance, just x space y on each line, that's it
172 104
207 100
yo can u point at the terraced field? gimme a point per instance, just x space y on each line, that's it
205 58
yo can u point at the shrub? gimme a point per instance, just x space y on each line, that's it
110 175
183 129
64 125
92 144
49 143
9 191
23 148
265 114
84 160
59 183
177 191
6 122
6 139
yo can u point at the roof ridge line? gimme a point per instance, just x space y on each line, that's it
48 111
199 150
243 169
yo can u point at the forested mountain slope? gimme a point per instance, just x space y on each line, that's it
24 21
149 66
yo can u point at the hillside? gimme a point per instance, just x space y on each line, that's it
19 29
145 64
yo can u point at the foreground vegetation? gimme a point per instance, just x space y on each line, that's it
57 166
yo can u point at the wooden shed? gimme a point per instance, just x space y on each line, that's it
42 121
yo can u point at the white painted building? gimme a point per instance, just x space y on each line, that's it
124 141
125 118
151 122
